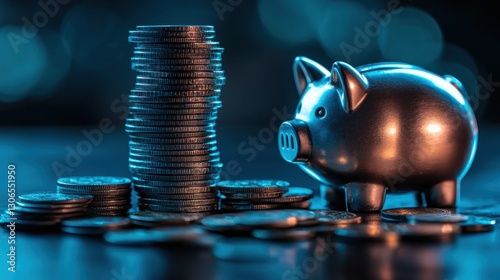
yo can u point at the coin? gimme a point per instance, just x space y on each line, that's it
267 219
175 27
137 39
132 237
294 194
131 128
247 207
214 156
178 67
152 54
334 217
427 231
170 187
179 202
367 233
193 196
50 206
174 147
401 214
253 186
98 222
184 74
139 110
95 182
173 165
167 141
179 234
168 33
164 218
30 223
293 234
140 95
110 202
223 222
304 217
176 106
179 81
95 192
53 198
177 172
475 224
94 225
20 209
176 209
180 180
438 218
253 197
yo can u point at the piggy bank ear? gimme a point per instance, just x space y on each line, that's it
457 84
351 84
306 71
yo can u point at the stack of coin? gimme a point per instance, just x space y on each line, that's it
244 195
111 195
174 158
42 209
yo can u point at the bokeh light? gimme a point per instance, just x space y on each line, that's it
58 66
22 63
95 35
338 32
412 36
8 13
290 20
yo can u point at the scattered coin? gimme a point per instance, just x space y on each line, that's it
334 217
438 218
267 219
427 232
293 234
94 225
477 224
402 214
304 217
223 223
367 233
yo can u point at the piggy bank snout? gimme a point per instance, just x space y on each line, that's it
294 141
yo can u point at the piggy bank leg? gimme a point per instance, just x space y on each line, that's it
419 197
444 194
334 196
365 197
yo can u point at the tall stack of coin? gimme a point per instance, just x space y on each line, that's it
174 158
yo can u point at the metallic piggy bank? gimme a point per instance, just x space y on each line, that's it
385 127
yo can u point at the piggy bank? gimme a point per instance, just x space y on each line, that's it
380 128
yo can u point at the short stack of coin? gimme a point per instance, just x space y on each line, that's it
45 209
244 195
174 158
111 195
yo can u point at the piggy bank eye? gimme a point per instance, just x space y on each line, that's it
320 112
299 107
